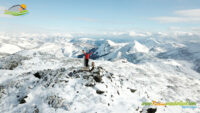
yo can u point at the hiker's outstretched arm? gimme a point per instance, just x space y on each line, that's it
83 52
90 53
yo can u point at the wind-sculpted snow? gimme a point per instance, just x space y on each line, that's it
44 83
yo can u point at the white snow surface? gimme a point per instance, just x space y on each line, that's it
41 74
8 48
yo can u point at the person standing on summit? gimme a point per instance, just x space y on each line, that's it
87 57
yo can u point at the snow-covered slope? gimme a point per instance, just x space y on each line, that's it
8 48
108 50
135 50
132 51
41 83
42 74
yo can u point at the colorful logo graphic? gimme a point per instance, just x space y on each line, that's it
17 10
192 105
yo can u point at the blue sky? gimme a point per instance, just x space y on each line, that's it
96 16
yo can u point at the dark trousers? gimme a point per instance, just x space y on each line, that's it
86 62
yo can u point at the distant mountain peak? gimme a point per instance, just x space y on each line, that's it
111 43
135 47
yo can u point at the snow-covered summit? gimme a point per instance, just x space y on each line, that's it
41 82
108 47
136 47
44 75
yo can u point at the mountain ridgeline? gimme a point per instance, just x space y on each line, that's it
46 74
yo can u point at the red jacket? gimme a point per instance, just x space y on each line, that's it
87 56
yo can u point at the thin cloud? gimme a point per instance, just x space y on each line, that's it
174 28
196 29
189 13
139 34
87 19
192 15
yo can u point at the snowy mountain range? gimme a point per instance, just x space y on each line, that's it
42 73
